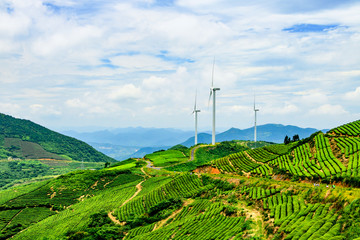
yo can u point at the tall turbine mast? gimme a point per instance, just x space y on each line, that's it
255 110
196 112
212 92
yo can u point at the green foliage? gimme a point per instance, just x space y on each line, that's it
155 213
21 169
166 158
73 220
220 184
14 172
181 148
36 141
100 227
204 155
202 206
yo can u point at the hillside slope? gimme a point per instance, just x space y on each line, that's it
24 139
304 190
327 157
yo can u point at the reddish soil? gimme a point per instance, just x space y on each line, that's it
207 169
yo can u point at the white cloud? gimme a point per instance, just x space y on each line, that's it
95 62
154 82
329 110
128 91
76 103
288 108
10 108
42 110
65 38
354 95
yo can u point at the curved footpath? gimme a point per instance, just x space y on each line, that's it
110 214
192 154
149 165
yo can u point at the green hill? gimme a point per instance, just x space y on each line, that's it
26 140
303 190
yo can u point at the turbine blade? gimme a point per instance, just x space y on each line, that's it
254 103
195 100
210 97
212 76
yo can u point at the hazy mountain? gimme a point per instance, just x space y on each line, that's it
268 132
124 152
135 137
123 143
146 150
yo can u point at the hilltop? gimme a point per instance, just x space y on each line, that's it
30 152
24 139
307 189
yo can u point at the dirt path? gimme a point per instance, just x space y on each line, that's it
13 218
150 165
162 222
192 154
146 174
110 214
256 216
252 158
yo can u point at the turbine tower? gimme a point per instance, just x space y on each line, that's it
255 110
195 112
212 92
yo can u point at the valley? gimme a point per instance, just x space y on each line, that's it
306 189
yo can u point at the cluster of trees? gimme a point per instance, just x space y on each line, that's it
51 141
21 170
288 140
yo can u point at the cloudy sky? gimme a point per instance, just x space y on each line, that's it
68 64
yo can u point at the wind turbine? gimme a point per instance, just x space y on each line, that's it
255 110
196 112
212 92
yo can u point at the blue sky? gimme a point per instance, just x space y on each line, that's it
72 64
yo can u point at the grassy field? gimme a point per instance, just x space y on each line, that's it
15 172
166 158
305 190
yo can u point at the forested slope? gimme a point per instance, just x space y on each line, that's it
24 139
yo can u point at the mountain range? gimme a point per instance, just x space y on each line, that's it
268 132
136 142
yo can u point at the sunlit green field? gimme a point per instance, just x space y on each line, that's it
166 158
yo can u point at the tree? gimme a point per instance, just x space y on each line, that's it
296 138
287 140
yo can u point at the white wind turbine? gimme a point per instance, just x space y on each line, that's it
212 92
255 110
195 112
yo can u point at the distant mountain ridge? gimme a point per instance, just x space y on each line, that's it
268 132
123 143
134 137
21 138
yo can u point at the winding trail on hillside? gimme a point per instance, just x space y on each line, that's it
150 165
192 154
110 214
144 172
12 219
